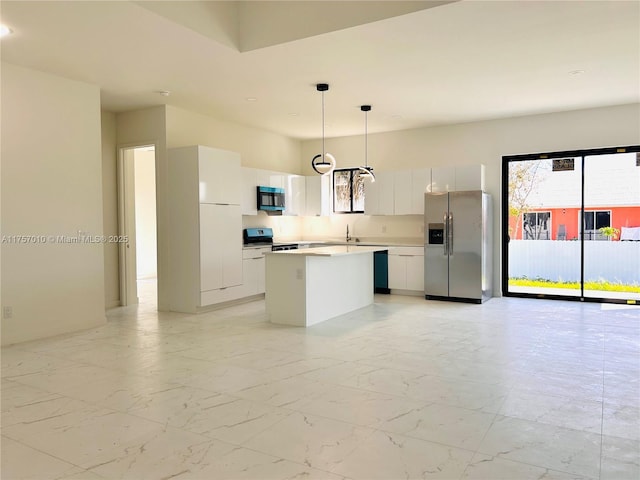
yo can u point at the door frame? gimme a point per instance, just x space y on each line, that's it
505 220
126 223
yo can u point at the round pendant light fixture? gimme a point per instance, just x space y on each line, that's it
366 171
323 163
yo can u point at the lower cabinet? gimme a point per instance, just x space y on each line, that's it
220 246
253 271
406 268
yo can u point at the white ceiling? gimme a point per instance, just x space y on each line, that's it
450 63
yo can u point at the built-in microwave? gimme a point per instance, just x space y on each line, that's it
270 198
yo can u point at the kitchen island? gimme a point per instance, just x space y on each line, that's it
311 285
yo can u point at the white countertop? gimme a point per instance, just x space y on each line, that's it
330 251
362 241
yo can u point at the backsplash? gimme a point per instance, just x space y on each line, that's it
395 228
388 227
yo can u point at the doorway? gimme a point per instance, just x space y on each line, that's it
571 223
137 223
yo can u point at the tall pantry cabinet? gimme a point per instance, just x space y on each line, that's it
205 241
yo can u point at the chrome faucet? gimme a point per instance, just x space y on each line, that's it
348 237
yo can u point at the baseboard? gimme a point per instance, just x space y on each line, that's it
408 293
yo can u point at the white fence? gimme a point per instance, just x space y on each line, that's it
617 262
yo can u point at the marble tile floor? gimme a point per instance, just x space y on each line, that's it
403 389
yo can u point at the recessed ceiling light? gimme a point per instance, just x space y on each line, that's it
251 99
576 72
396 116
164 93
4 31
293 114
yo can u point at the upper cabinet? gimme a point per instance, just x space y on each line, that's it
443 179
396 193
419 183
294 190
459 178
409 189
317 196
218 173
399 192
294 195
379 195
402 182
267 178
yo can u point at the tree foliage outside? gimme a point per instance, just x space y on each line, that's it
524 178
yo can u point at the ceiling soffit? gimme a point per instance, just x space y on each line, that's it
251 25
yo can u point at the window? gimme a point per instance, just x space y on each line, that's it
536 225
593 221
348 191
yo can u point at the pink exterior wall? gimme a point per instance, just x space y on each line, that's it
620 217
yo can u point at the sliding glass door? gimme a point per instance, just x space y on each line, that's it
611 219
544 257
570 221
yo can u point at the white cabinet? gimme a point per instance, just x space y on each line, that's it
205 239
419 182
253 270
415 272
379 195
409 190
397 272
402 196
293 185
406 268
218 172
267 178
397 193
220 257
459 178
443 179
318 195
294 195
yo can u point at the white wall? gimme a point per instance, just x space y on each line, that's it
145 211
51 185
257 148
110 209
480 142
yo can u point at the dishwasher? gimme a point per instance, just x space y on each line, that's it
381 272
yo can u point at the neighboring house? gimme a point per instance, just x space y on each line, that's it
612 199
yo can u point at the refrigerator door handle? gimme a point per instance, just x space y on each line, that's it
450 233
445 242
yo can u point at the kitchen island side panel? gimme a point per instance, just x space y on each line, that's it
337 285
303 290
285 288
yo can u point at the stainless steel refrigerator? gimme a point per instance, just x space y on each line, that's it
457 250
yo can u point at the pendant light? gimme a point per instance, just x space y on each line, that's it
323 163
366 171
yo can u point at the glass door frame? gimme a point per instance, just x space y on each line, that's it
505 238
